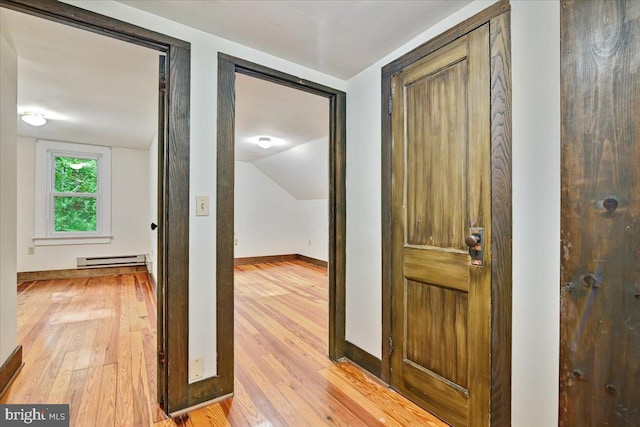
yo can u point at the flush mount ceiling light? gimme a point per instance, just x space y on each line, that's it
265 142
33 119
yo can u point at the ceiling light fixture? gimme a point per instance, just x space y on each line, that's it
265 142
33 119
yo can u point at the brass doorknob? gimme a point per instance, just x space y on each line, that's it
472 240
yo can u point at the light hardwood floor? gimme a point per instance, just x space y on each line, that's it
91 343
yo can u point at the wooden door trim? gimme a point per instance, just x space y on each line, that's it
498 17
227 67
174 170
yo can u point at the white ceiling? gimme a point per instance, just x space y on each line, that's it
92 89
269 109
340 38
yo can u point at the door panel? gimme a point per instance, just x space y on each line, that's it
441 189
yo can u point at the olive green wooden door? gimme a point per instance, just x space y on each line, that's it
441 303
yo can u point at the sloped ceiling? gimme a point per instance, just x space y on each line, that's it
92 89
302 170
269 109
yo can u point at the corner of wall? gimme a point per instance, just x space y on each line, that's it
8 198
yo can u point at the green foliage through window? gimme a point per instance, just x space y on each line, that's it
75 212
75 175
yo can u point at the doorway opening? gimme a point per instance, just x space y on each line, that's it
228 68
281 231
173 185
86 194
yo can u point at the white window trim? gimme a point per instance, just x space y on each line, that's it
46 151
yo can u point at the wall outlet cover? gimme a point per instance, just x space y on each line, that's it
196 369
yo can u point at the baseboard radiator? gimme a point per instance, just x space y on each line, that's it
111 261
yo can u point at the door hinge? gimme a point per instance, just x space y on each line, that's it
390 106
390 345
161 359
163 86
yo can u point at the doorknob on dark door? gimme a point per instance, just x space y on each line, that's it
154 225
472 240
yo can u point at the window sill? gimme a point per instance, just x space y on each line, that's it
79 240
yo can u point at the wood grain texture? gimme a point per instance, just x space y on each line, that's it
83 345
337 221
387 244
86 344
501 279
479 215
160 285
176 245
441 175
283 376
500 213
600 221
10 369
362 358
276 258
436 206
436 323
444 268
445 38
29 276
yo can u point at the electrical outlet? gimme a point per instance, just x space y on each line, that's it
31 250
196 369
235 241
309 242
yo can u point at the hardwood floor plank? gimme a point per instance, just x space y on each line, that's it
106 414
86 413
75 391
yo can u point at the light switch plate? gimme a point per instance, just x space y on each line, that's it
202 205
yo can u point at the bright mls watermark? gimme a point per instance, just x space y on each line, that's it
34 415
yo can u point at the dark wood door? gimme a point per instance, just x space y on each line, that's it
600 274
441 171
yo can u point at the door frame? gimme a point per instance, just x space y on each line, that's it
228 66
173 182
498 18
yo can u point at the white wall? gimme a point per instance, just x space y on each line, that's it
271 221
153 206
536 209
536 204
8 177
313 225
202 230
266 220
129 205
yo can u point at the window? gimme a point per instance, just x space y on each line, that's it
73 194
